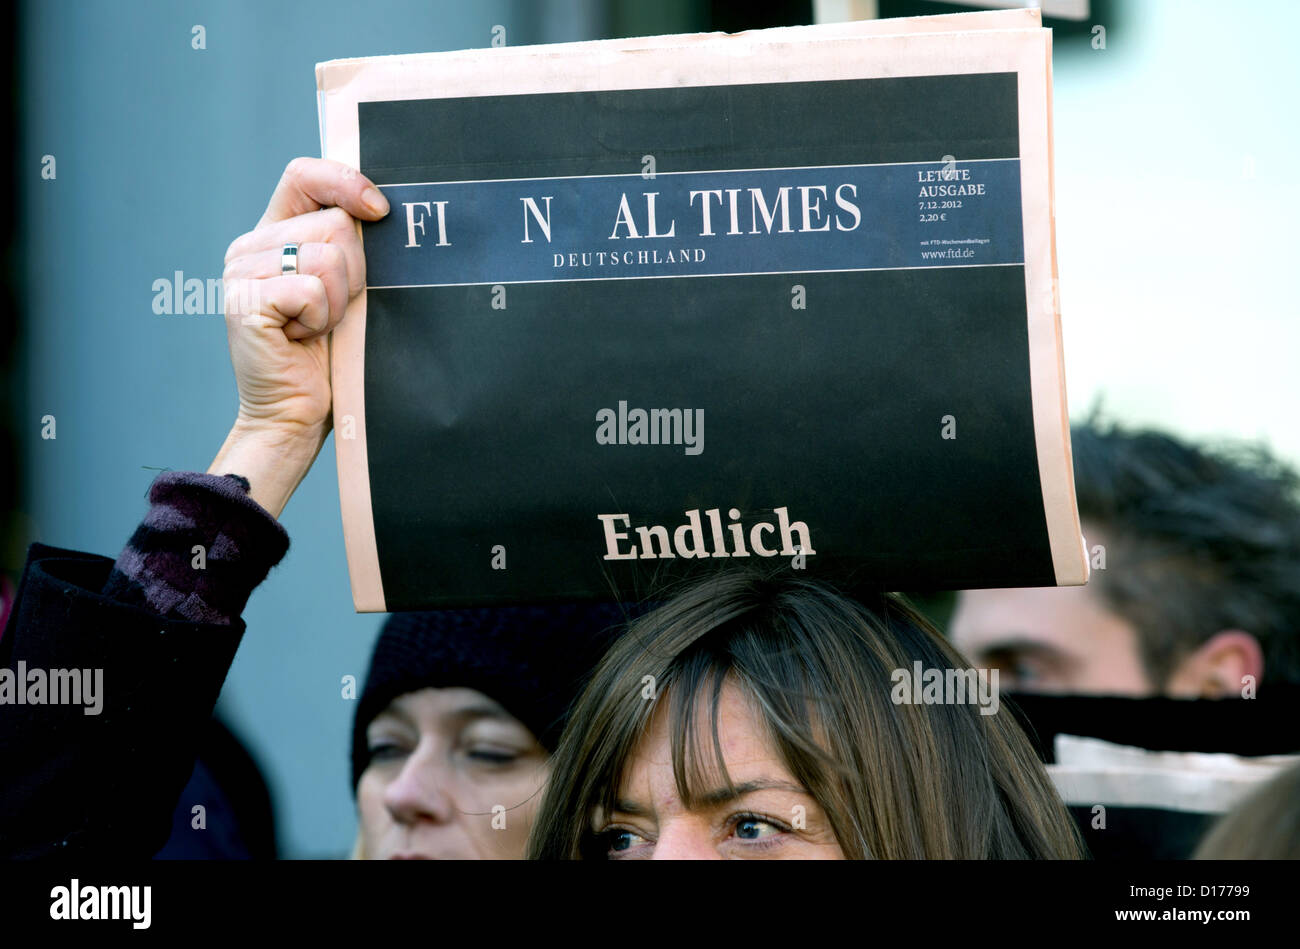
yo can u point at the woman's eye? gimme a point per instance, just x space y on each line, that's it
621 841
385 751
753 828
493 755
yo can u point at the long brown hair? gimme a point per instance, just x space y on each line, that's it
895 780
1265 826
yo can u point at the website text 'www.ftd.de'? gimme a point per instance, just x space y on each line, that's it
951 249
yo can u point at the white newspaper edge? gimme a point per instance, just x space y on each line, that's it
1091 771
1056 461
1022 19
805 54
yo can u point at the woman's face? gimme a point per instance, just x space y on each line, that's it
769 818
452 776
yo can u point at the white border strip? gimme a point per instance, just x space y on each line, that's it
672 276
697 171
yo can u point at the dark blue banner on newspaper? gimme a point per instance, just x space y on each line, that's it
700 223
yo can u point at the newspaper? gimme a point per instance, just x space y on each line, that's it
648 308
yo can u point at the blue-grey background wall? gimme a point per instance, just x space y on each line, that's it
163 155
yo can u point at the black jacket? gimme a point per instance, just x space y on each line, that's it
107 784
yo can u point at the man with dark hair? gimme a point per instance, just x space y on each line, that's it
1195 588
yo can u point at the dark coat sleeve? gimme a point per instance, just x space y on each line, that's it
76 783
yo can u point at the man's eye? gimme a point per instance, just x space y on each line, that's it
755 828
1023 670
1018 670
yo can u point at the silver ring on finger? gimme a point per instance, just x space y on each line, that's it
289 258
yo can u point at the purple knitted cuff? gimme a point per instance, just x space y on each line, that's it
201 549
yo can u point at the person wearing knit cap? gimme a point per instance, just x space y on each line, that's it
456 722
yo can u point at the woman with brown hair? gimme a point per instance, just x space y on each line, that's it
756 717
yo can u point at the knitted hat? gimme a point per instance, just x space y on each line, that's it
532 660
